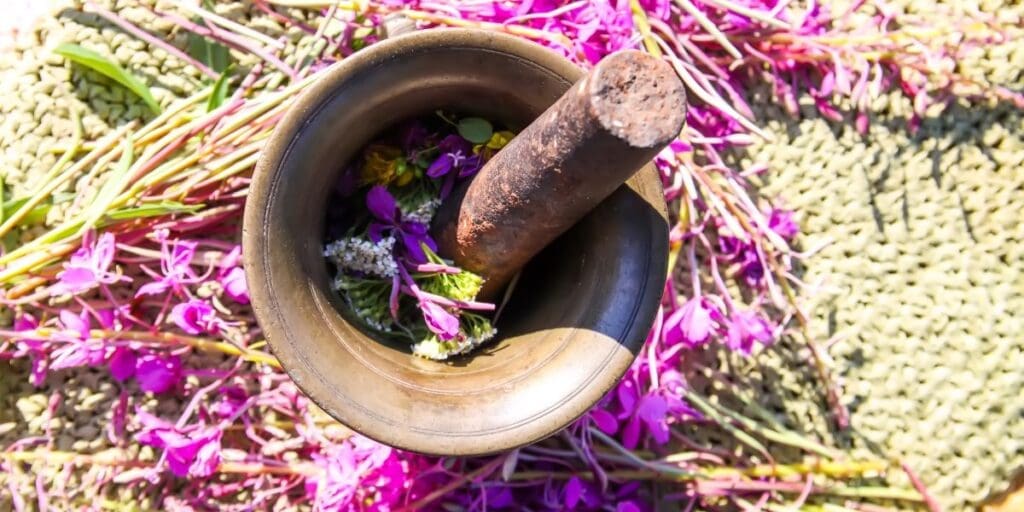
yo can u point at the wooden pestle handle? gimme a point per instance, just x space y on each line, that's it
587 144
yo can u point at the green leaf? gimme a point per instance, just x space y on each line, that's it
110 69
36 215
153 210
220 91
211 53
117 181
475 130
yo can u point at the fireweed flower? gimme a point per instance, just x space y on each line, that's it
196 316
744 329
175 267
74 346
157 373
121 362
358 474
33 348
232 278
389 221
456 155
691 324
189 452
89 267
782 223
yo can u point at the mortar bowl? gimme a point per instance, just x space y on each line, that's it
576 319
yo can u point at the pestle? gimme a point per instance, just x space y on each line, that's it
588 143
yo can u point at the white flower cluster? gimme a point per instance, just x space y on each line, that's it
434 348
424 213
362 255
373 323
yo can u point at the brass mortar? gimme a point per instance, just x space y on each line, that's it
576 320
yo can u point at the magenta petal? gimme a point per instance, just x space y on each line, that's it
154 288
696 321
103 252
179 466
235 285
573 492
627 506
631 434
381 204
604 421
627 396
207 457
396 286
440 321
412 247
652 411
38 375
122 363
156 374
73 322
76 279
441 166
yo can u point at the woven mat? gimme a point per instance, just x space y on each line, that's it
921 285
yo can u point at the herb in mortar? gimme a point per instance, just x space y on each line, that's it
388 270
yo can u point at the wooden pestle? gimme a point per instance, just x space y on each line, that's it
587 144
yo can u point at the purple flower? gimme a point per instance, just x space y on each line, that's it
573 492
192 451
358 474
384 208
233 399
157 374
232 277
691 324
653 411
382 204
235 286
442 323
442 165
604 420
175 267
33 348
196 317
781 222
89 266
122 363
745 328
76 347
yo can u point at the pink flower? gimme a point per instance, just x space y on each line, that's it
191 451
442 323
175 267
76 348
782 222
359 474
745 328
88 267
35 349
157 374
232 277
691 324
196 317
122 363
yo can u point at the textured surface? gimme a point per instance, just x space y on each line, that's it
922 283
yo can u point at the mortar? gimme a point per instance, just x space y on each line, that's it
576 319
